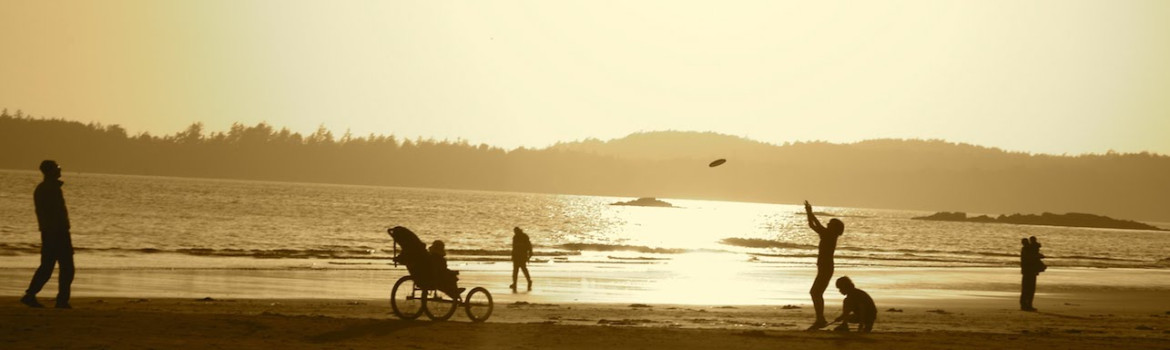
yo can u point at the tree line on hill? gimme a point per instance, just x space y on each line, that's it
929 175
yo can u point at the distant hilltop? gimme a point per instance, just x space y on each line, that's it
886 174
1047 219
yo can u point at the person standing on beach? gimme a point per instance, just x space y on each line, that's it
56 244
825 251
1031 266
521 252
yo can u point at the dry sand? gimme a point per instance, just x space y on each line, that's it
282 323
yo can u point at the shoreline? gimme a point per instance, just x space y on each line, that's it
687 284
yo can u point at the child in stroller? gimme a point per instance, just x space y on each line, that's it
429 268
446 278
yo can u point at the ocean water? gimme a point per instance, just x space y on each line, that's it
142 222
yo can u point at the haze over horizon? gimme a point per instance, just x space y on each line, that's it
1052 77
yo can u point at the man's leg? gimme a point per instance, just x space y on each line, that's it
44 272
1030 293
515 270
524 268
1027 291
65 279
1023 291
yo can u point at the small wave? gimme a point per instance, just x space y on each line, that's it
619 247
1081 257
764 243
508 252
17 249
637 258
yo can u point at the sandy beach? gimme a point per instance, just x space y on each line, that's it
283 323
962 309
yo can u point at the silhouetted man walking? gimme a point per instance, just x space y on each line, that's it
521 252
56 245
826 249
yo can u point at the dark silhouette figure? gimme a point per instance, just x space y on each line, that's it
1031 265
427 266
56 244
521 252
826 249
446 280
859 307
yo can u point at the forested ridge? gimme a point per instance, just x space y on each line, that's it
930 175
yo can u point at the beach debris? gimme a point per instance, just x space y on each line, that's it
355 303
205 299
624 322
1144 328
754 333
725 307
528 304
939 311
789 307
138 301
1071 304
640 305
893 310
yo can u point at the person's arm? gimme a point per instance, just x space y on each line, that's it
812 219
846 309
530 253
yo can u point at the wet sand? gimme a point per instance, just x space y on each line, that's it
582 308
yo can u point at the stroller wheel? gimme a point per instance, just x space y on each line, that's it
478 304
438 306
405 299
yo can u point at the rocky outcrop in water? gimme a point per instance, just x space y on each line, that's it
646 202
1048 219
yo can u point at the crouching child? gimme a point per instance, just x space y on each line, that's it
859 307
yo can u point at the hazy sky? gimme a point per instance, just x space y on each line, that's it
1040 76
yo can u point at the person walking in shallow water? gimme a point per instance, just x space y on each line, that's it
56 244
521 252
1031 265
825 251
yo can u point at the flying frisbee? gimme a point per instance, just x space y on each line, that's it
717 162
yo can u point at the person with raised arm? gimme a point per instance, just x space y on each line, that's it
825 250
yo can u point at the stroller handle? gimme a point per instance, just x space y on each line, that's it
394 243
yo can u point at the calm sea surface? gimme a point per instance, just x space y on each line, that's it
138 221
